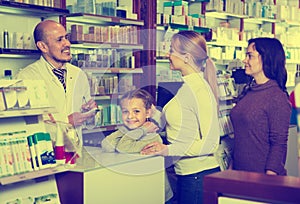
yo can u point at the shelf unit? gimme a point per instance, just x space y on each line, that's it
26 112
95 19
16 8
31 175
101 20
33 183
183 27
95 73
114 70
100 129
25 17
93 45
223 14
11 51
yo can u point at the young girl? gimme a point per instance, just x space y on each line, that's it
138 130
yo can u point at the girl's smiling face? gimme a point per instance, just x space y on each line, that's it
134 112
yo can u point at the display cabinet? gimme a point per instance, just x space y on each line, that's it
101 175
18 20
33 184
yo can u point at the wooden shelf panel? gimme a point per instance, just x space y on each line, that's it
101 19
32 175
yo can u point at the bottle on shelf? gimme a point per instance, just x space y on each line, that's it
5 39
297 75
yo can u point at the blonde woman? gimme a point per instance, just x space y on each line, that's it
191 117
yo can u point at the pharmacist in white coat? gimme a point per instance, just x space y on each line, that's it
72 94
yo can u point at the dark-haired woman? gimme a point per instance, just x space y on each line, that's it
262 114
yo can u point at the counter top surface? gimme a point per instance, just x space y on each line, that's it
95 158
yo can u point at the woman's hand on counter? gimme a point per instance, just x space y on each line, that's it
155 148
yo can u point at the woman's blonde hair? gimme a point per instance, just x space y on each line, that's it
195 44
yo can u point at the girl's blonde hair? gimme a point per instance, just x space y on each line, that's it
195 44
141 94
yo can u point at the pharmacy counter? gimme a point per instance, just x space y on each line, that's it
113 178
250 187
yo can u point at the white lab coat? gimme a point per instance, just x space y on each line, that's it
77 88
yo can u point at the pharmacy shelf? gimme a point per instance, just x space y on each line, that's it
26 112
32 175
101 19
183 27
226 98
162 59
294 45
289 23
102 97
291 61
228 43
30 9
18 53
114 70
100 129
222 61
107 96
98 45
223 15
260 20
193 1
